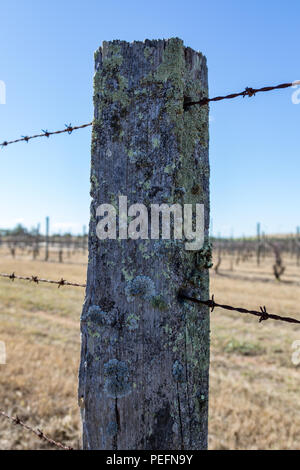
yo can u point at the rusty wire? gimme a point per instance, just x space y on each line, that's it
247 92
36 280
204 101
68 128
16 420
262 314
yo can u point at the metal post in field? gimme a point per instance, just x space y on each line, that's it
143 379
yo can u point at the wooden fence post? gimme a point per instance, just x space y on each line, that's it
258 244
143 379
83 239
47 240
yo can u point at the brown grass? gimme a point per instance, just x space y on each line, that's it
254 399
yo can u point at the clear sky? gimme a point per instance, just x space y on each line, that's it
47 65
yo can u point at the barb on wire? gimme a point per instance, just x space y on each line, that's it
68 128
262 314
36 280
16 420
247 92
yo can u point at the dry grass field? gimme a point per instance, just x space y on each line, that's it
254 394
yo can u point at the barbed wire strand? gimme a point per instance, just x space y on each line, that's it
16 420
68 128
262 314
37 280
247 92
204 101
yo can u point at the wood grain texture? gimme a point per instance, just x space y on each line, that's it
143 379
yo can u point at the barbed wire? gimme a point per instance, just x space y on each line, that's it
204 101
16 420
37 280
262 314
247 92
68 128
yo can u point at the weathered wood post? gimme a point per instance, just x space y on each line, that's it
143 379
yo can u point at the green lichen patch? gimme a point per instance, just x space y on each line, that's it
204 257
110 86
159 302
173 64
155 142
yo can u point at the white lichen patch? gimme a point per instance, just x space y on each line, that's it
117 379
155 142
96 320
140 287
98 317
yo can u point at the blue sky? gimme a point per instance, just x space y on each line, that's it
47 64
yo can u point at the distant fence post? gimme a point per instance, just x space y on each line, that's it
298 245
83 239
258 244
36 247
143 379
47 240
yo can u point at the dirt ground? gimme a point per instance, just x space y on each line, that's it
254 385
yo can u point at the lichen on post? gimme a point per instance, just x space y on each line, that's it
143 379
